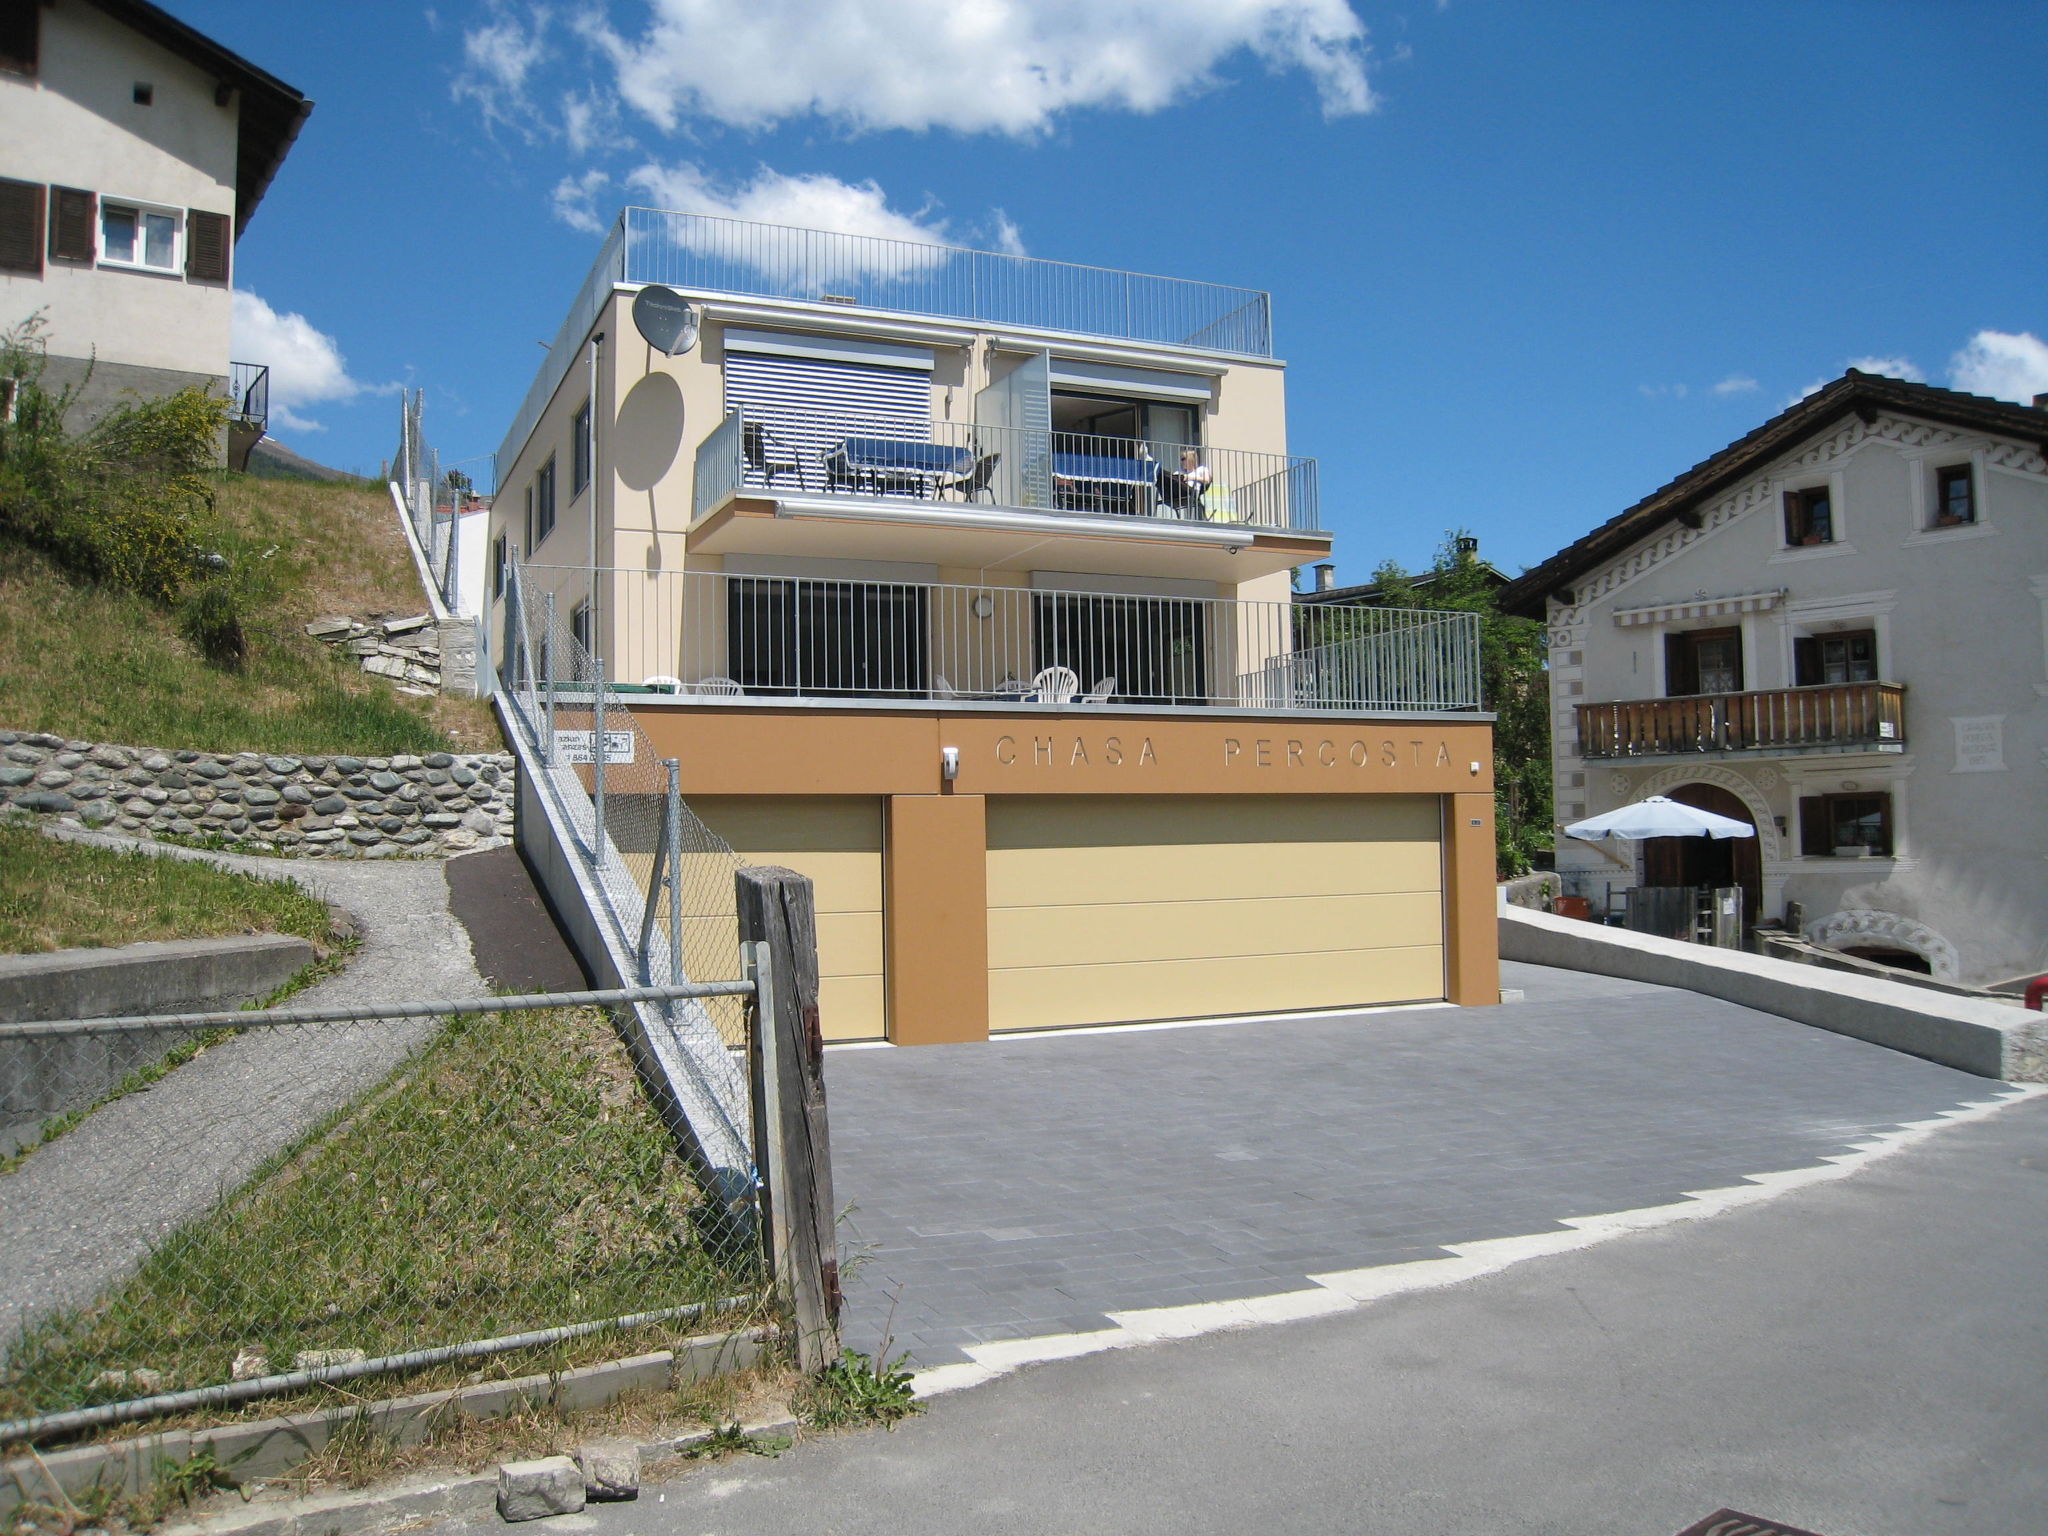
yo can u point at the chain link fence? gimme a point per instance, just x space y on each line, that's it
432 499
318 1191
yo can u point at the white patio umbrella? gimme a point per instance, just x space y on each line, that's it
1657 817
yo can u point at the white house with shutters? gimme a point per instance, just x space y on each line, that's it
133 151
1835 629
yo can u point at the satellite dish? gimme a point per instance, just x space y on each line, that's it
665 319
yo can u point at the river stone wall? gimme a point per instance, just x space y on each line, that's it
311 807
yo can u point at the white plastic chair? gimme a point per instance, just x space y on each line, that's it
1101 692
663 680
942 687
1056 685
720 687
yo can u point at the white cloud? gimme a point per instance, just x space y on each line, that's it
498 57
1661 391
2002 365
999 66
1736 384
575 201
1890 367
306 367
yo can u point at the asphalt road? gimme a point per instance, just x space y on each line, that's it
1867 1357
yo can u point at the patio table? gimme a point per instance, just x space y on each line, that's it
1105 482
896 464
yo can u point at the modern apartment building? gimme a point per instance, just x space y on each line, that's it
133 151
960 582
1835 629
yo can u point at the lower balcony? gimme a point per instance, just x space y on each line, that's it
712 636
1830 717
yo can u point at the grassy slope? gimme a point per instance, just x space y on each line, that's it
61 896
106 666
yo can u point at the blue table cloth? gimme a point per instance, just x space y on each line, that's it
1104 466
900 456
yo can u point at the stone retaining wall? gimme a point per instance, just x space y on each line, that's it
337 807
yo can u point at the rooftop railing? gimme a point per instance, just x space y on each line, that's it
954 463
760 639
699 253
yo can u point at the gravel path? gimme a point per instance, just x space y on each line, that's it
84 1210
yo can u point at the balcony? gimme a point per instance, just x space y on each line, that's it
248 410
730 639
1830 717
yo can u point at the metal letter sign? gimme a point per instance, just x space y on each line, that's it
666 319
575 747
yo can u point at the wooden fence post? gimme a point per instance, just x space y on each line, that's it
786 1066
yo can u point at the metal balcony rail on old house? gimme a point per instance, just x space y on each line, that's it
955 463
249 393
703 255
1830 716
736 639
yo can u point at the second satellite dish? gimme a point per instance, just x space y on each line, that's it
665 319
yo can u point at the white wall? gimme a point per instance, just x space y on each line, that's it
1961 616
78 126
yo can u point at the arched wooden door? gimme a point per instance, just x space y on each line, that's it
1708 860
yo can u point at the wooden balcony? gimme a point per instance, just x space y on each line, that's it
1832 717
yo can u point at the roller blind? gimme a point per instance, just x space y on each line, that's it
805 405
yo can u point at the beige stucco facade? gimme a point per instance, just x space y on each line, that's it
77 124
1957 614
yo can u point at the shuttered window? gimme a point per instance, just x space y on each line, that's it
74 216
21 226
206 246
805 406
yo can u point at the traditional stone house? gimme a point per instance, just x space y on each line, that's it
1835 629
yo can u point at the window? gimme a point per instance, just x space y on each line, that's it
74 215
579 625
136 235
1703 661
144 94
498 556
579 452
543 502
21 227
811 637
1846 658
20 36
1828 822
1955 496
1809 517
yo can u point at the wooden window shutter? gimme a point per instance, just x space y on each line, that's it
72 216
21 227
21 23
1806 669
206 246
1681 667
1816 836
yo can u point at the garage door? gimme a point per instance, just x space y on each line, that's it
837 842
1112 909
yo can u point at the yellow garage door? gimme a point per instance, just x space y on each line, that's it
1108 909
837 841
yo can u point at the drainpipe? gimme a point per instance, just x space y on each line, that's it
590 455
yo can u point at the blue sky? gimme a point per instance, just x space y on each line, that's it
1528 261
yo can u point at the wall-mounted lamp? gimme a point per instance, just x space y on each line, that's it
984 606
1780 821
1475 768
949 763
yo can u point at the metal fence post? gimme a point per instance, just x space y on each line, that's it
547 659
597 760
786 1060
675 868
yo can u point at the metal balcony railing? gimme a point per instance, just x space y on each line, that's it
249 393
952 463
1827 716
774 639
701 254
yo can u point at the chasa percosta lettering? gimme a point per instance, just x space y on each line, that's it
1252 753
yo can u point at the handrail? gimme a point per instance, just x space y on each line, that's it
1810 715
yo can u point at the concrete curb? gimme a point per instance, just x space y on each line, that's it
158 976
1989 1039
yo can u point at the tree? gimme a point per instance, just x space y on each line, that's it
1512 684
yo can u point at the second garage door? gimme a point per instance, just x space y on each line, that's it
1114 909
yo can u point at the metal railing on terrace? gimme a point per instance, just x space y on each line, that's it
249 392
741 639
698 253
954 462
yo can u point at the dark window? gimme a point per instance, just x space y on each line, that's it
207 242
543 503
809 637
1828 822
1703 661
1849 658
144 94
74 220
1955 496
21 227
498 555
1148 650
20 36
579 626
1809 517
579 452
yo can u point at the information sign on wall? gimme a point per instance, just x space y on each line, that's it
575 746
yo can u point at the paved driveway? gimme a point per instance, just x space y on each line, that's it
1033 1184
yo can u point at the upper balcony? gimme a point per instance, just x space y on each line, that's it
778 485
699 254
1829 717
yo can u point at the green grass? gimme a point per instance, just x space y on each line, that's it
56 895
96 663
510 1176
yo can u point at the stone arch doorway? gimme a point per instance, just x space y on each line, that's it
1708 860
